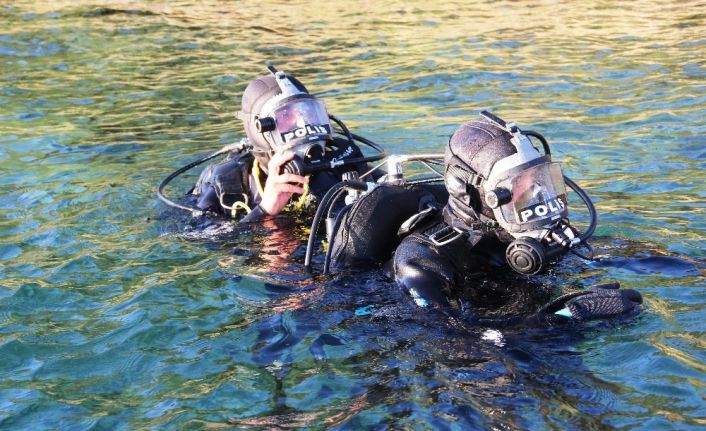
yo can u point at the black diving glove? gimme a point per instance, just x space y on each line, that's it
603 301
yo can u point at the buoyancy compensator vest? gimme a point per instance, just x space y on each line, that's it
366 233
223 184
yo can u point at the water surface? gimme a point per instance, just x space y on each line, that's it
116 314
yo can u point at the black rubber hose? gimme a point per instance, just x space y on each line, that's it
325 166
317 221
558 303
163 184
382 153
334 199
589 206
583 256
541 138
336 225
343 127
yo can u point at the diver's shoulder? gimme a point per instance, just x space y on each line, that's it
242 157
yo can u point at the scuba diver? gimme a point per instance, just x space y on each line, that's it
506 206
291 151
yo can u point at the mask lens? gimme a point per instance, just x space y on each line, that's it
301 120
538 195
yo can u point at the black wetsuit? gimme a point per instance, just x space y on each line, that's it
233 180
433 274
455 275
465 274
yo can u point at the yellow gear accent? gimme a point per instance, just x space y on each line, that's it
256 174
304 198
239 204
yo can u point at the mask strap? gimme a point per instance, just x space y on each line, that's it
459 169
511 128
495 120
464 172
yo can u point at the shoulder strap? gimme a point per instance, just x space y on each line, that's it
417 221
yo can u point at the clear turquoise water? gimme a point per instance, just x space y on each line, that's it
113 315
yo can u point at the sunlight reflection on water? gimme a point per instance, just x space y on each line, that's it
116 314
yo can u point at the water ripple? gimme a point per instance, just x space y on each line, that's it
117 314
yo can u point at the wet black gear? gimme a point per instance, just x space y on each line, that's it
225 182
453 277
445 254
367 233
598 302
432 274
232 180
440 277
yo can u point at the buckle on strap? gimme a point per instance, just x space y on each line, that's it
446 236
467 175
475 180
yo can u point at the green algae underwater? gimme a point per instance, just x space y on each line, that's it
116 313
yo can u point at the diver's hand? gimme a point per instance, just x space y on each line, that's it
279 187
603 301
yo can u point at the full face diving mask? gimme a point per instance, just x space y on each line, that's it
527 194
297 121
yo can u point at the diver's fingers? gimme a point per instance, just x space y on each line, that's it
279 159
288 188
291 178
